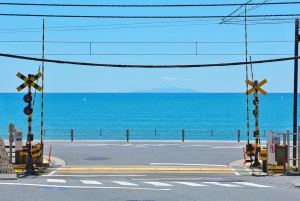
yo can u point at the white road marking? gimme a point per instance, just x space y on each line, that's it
221 184
226 147
84 187
97 175
235 172
51 173
158 183
90 182
56 180
189 184
187 164
124 183
252 184
196 146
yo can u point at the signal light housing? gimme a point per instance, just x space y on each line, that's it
28 110
27 99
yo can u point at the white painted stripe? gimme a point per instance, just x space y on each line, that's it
252 184
124 183
84 187
221 184
248 170
51 173
196 146
188 164
226 147
158 183
93 175
90 182
56 180
235 172
189 184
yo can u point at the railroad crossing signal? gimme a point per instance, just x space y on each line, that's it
29 81
27 99
256 86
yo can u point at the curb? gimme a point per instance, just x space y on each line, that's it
297 185
8 176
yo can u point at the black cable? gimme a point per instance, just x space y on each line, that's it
146 23
138 6
147 66
145 42
247 11
225 19
149 54
144 17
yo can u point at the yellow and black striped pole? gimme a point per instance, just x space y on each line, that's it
29 165
247 97
42 99
256 132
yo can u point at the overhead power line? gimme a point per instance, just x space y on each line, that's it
147 66
147 42
143 17
246 11
224 19
144 5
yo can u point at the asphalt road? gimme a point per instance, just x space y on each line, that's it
139 185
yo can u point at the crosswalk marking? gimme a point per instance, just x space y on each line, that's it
124 183
90 182
220 184
252 184
56 180
189 184
158 183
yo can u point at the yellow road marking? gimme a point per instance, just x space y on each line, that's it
145 169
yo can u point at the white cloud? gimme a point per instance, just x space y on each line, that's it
169 78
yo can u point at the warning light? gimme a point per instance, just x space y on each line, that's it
28 98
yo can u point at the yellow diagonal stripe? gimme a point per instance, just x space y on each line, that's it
262 91
20 74
36 86
262 83
249 82
250 91
22 86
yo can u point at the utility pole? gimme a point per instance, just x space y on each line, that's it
297 38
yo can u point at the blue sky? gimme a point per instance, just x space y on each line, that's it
70 78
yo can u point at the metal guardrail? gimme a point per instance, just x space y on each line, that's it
140 134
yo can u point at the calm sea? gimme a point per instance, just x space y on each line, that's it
147 116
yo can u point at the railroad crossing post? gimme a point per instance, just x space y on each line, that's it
256 88
28 111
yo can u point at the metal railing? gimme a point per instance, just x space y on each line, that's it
140 134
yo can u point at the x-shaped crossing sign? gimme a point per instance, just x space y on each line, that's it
256 87
29 81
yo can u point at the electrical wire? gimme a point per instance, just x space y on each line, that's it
139 6
143 17
224 19
145 42
147 66
248 10
149 54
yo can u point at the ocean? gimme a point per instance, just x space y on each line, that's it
148 116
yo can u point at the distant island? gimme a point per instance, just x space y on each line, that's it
167 90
